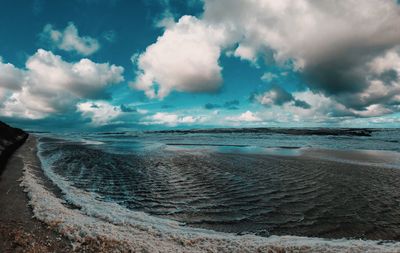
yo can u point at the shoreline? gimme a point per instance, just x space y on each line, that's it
32 235
19 231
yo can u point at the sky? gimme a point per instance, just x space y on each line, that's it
115 65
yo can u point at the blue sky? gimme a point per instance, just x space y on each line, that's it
156 64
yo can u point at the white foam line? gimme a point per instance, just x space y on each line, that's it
137 231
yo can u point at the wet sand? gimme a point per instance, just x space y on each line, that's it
19 232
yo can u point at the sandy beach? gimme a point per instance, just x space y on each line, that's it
19 231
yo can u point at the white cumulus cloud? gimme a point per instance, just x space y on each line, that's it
69 39
170 119
335 46
247 116
100 112
49 84
10 77
184 58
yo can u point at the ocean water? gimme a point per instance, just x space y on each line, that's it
336 185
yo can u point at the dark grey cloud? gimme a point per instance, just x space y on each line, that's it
127 108
302 104
167 106
229 105
389 76
347 75
276 95
232 105
210 106
348 51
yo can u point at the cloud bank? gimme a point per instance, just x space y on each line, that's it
347 51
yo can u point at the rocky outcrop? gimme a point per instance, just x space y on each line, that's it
10 139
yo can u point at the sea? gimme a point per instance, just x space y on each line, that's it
315 183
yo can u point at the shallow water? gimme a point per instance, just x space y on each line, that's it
243 183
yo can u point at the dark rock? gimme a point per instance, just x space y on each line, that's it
10 139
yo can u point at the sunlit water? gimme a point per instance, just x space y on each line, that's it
259 183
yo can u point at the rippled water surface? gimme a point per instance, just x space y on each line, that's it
262 183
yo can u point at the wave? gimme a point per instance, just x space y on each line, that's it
91 220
